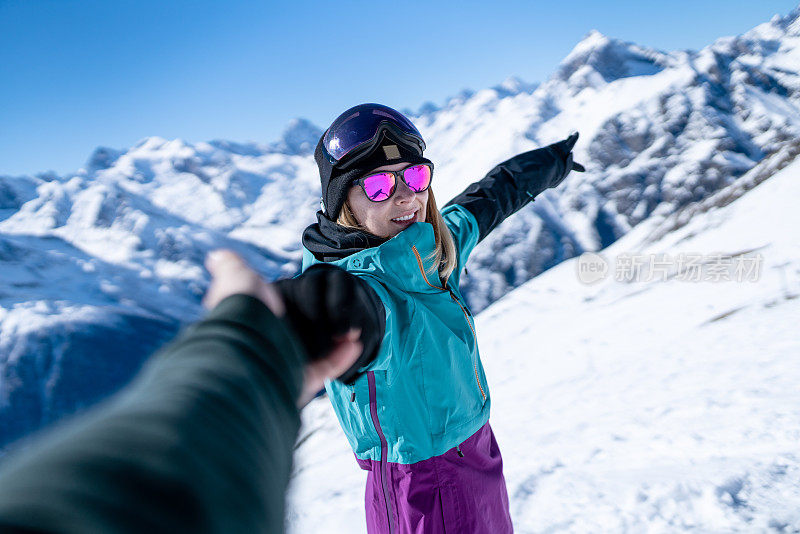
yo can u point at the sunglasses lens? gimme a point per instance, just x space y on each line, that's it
418 177
379 186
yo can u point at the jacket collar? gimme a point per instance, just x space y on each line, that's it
329 241
404 260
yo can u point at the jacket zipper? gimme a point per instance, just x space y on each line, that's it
464 310
373 409
467 315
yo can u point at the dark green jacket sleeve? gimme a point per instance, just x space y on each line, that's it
201 441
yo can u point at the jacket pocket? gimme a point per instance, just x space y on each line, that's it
454 394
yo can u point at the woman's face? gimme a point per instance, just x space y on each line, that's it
380 218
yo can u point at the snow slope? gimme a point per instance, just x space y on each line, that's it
632 406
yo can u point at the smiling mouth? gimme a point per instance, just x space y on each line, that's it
406 218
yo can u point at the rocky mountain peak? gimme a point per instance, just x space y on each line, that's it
598 58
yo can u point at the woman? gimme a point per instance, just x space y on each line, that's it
416 408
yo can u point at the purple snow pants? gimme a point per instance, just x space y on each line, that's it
446 494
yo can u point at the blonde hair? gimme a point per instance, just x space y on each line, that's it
444 252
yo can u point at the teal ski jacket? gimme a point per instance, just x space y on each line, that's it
426 389
426 392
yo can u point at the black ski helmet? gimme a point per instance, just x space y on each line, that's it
361 139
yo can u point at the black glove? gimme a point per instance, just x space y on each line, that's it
562 152
326 301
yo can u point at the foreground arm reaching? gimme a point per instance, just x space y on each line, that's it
200 441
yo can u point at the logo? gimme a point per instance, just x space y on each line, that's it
391 151
591 267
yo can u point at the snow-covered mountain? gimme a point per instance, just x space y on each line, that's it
100 268
94 258
628 405
658 131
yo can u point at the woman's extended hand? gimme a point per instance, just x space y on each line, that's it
230 275
563 149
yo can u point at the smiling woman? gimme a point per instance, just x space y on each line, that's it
381 222
416 412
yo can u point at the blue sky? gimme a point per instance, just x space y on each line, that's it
77 74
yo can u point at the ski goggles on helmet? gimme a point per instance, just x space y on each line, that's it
358 130
381 186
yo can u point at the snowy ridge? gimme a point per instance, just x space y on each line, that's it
659 131
631 406
764 170
126 243
125 236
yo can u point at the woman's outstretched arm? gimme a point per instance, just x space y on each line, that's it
517 181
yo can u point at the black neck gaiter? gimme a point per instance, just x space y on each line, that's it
329 241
